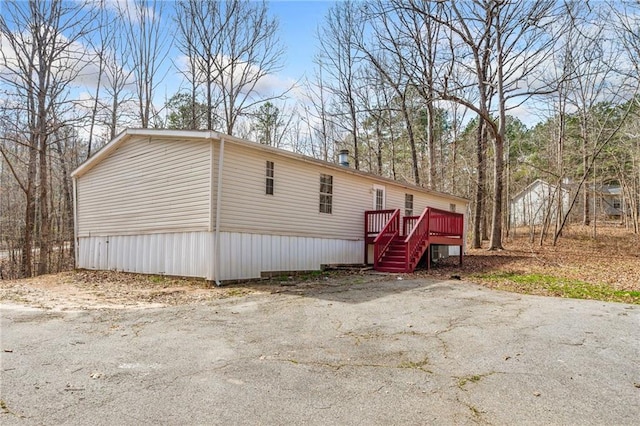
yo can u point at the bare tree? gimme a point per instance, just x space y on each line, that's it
320 126
201 28
231 46
387 54
420 61
105 33
117 103
338 53
602 91
625 26
40 59
518 38
148 41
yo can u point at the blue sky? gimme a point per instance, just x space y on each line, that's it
298 21
297 27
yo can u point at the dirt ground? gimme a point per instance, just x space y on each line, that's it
612 259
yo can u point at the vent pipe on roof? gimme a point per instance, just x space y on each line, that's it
343 158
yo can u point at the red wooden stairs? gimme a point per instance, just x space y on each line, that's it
399 249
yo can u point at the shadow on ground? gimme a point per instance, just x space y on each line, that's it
365 290
359 286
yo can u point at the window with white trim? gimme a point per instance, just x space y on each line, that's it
269 178
379 199
326 193
408 204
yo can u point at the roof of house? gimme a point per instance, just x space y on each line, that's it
610 189
110 147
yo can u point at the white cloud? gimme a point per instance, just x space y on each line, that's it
267 84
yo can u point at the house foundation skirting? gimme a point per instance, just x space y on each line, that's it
192 254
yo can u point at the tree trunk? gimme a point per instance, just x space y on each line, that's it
43 195
67 191
379 146
586 211
30 215
498 142
479 195
412 142
431 146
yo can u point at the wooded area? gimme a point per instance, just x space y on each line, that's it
426 92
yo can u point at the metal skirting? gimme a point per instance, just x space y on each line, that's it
181 254
191 254
248 255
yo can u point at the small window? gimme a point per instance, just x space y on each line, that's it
616 204
379 199
452 208
326 193
269 181
408 204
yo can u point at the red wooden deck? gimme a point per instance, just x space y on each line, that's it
399 248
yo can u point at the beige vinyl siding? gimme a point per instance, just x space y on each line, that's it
294 207
147 185
395 199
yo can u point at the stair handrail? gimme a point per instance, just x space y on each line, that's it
416 237
387 234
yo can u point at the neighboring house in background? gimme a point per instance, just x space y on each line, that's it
203 204
609 203
531 205
537 201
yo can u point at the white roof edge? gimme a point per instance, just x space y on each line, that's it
209 134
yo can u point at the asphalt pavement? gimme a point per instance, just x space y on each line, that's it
395 352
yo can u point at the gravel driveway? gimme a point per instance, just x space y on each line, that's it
382 352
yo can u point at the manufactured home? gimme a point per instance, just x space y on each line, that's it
203 204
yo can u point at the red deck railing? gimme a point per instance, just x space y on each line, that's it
387 234
416 238
444 223
374 221
408 222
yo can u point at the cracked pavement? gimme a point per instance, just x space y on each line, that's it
386 352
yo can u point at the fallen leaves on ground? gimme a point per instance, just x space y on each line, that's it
611 260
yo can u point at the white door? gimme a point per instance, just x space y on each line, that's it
379 197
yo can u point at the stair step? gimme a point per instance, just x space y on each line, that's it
397 265
393 258
390 269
